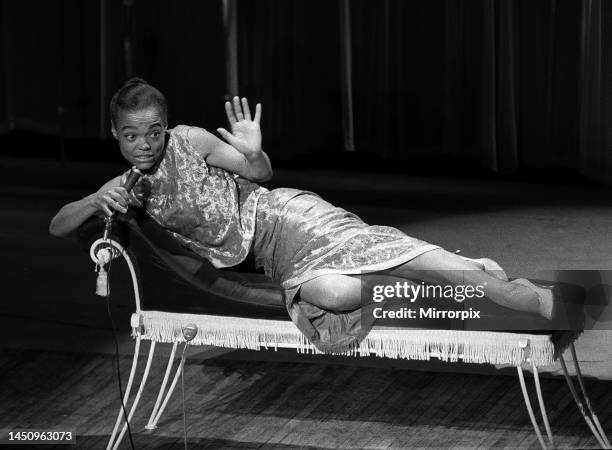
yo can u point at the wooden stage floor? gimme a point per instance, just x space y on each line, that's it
237 403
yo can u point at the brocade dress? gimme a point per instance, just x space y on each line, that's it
294 235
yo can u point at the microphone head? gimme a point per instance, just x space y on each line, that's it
190 331
132 179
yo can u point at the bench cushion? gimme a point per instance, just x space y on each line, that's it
174 279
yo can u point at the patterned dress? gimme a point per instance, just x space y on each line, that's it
294 235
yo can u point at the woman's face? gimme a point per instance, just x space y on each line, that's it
141 136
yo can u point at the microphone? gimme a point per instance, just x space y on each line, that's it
105 255
133 176
132 179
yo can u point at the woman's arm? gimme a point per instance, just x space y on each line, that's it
110 197
243 153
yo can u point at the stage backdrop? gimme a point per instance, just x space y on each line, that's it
63 59
499 84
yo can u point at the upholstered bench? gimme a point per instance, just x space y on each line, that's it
181 298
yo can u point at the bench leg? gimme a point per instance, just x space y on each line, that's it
138 395
588 413
536 378
151 423
534 423
178 373
126 395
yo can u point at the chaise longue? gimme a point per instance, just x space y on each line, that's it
197 304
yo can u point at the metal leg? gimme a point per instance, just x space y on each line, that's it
151 424
179 370
138 395
580 405
536 377
536 428
587 401
127 392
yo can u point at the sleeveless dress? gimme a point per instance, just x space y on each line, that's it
294 235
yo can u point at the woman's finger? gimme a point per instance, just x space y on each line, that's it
123 193
229 137
257 113
117 197
230 113
107 210
118 207
245 108
238 109
115 204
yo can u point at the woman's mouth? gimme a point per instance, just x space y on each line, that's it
144 157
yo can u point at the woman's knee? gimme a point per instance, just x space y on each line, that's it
333 292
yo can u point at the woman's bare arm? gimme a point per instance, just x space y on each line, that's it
110 197
242 154
254 167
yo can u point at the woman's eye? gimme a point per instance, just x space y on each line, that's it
129 137
155 134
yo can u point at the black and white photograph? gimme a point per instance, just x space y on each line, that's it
306 224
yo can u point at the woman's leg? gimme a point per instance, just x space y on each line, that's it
343 292
441 266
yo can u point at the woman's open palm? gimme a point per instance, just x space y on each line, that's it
246 133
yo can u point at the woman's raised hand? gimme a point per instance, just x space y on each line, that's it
246 133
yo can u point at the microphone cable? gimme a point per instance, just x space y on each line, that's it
183 392
189 333
110 317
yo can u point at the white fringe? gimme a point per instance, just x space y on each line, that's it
416 344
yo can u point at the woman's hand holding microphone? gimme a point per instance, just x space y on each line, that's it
118 198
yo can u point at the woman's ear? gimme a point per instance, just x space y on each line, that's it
114 132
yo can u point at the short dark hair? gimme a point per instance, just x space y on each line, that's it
137 94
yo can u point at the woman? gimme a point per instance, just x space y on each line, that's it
204 191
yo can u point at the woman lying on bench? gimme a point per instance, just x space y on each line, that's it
205 192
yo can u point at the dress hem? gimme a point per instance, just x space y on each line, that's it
296 282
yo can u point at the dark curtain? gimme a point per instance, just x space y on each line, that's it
550 65
511 84
488 83
178 47
289 60
49 68
595 118
481 83
4 72
398 73
52 68
500 84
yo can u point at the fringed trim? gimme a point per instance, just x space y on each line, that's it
221 331
416 344
483 347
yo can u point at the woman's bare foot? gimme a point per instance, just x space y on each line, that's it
489 266
545 297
